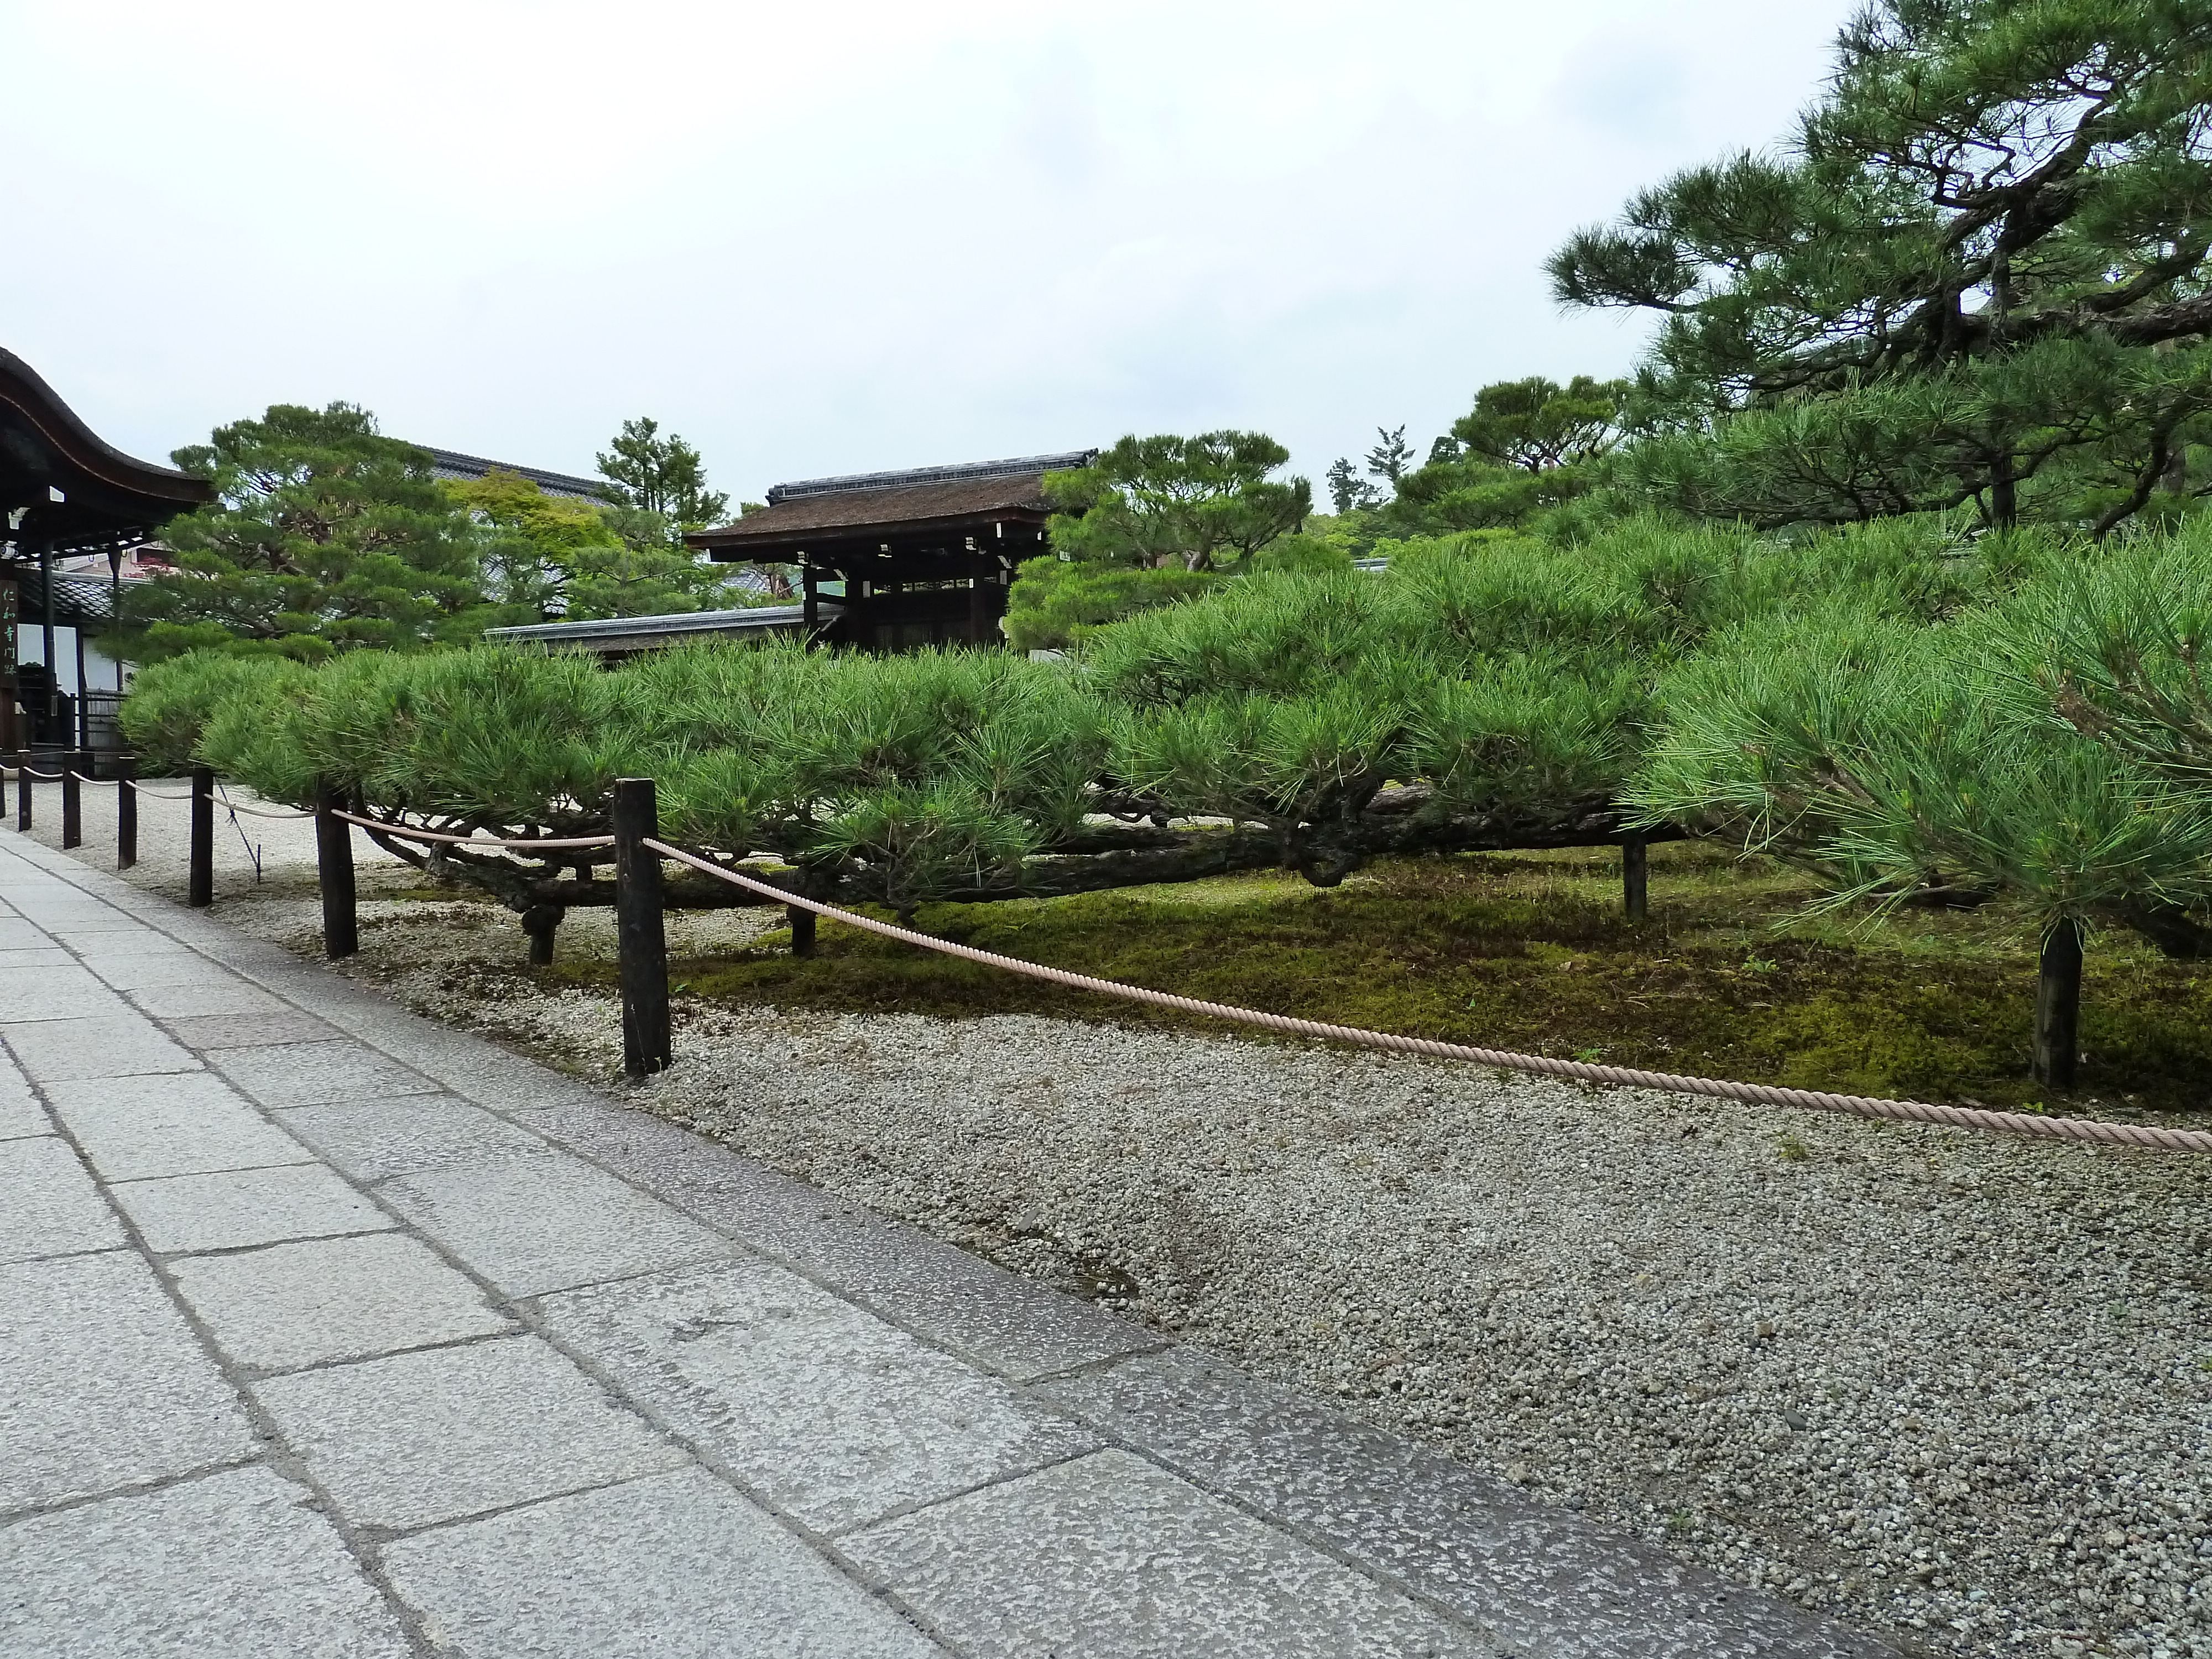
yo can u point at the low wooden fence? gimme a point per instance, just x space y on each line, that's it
642 950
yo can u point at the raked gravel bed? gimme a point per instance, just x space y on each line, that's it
1957 1388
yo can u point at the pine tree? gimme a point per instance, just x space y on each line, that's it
1976 274
1389 459
1202 503
323 534
661 475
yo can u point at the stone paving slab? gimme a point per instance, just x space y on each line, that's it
832 1415
325 1299
532 1225
57 1050
1125 1559
673 1567
373 1140
310 1073
490 1365
182 1123
236 1564
447 1432
52 1207
239 1208
50 992
101 1384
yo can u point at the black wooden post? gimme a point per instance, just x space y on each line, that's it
126 812
1635 883
23 796
641 938
199 886
73 761
2058 1005
802 930
334 860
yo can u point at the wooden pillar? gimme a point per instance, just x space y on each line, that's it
802 930
47 631
23 796
541 922
2058 1005
334 860
126 812
72 762
980 572
199 882
1635 883
810 597
641 936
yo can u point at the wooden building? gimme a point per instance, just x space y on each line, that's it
64 496
896 561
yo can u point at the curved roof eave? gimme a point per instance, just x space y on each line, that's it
162 491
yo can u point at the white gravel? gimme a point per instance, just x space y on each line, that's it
1953 1387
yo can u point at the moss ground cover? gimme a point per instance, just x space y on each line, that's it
1727 977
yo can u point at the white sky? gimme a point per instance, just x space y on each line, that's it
830 238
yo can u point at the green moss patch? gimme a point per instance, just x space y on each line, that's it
1531 951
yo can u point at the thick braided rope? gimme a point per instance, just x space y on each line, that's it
32 771
2150 1136
137 788
468 840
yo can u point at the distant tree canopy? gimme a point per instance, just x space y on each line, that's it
324 534
1977 273
661 475
1527 447
1202 503
544 556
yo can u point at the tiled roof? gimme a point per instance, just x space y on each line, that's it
452 464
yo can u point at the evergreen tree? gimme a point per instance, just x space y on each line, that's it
549 556
1535 425
1202 503
661 475
1389 459
323 534
1347 491
1976 274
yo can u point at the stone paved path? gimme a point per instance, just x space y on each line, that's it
327 1331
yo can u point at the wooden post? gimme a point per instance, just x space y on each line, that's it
1635 886
73 761
2058 1005
802 930
334 858
641 938
23 797
126 812
199 883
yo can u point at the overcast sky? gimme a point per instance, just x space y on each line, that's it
831 238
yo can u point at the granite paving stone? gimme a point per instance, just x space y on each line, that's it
16 934
1110 1556
1002 1321
532 1225
291 1305
249 1030
405 1134
128 965
20 1111
66 991
37 955
102 1384
123 1045
831 1414
1518 1568
673 1566
51 1206
444 1433
239 1207
216 996
236 1564
309 1073
177 1123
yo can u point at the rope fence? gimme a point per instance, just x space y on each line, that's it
643 963
2151 1136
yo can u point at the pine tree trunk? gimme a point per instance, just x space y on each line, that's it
2004 498
2058 1005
